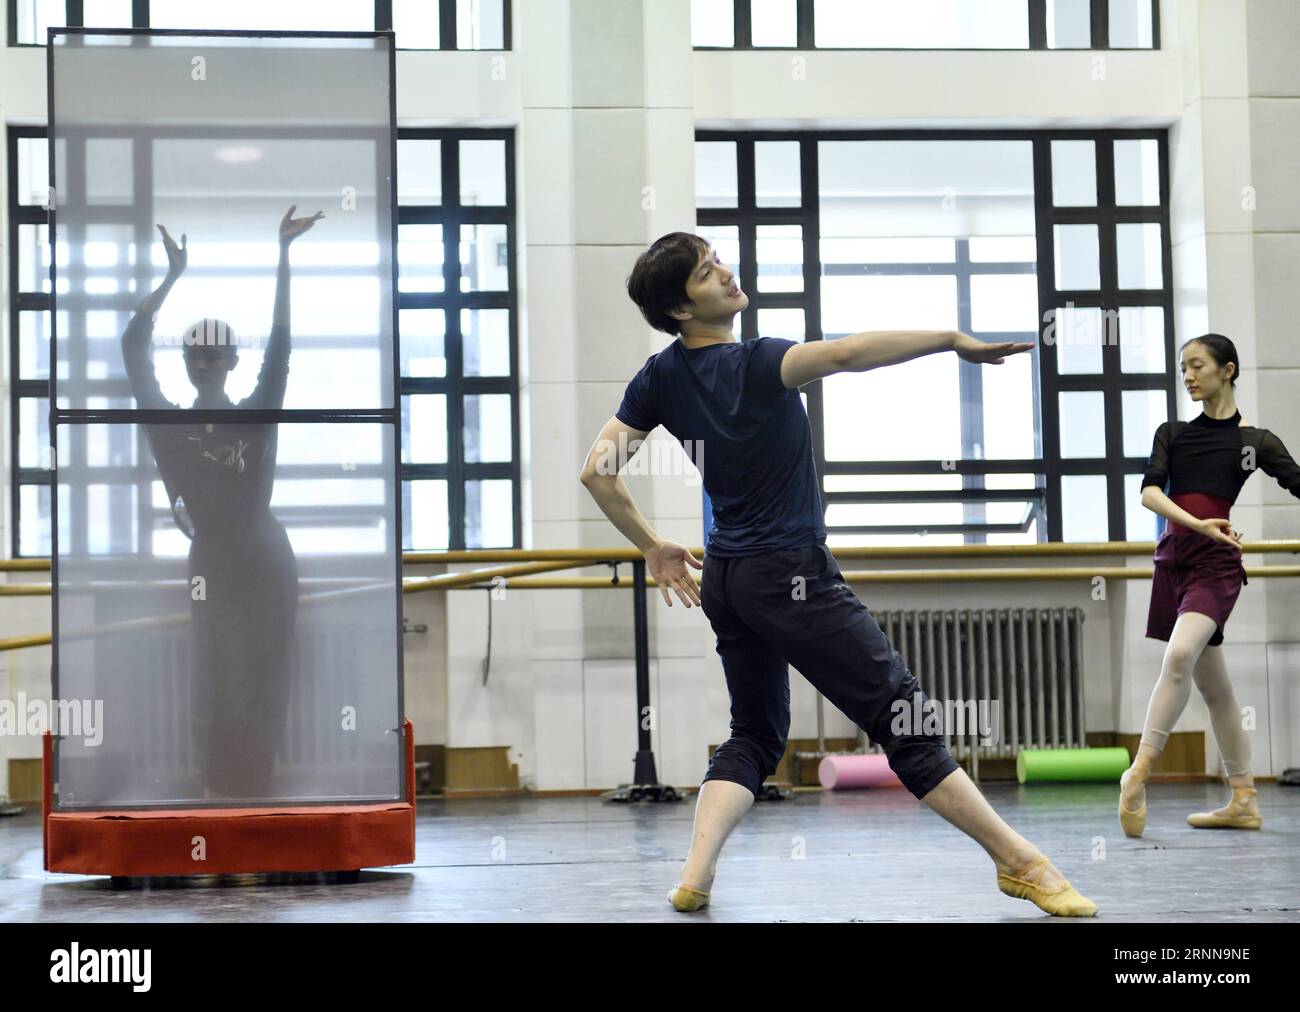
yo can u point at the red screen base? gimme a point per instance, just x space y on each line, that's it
219 841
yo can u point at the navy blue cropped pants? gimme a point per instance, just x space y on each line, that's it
795 607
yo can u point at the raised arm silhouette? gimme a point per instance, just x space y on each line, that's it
219 478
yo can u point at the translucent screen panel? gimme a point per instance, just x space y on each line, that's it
228 599
216 138
227 590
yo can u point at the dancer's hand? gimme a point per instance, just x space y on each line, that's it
667 562
984 353
291 227
178 257
1220 530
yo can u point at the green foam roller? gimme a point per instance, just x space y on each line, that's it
1096 765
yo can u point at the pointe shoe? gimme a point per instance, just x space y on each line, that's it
685 899
1065 901
1132 822
1239 813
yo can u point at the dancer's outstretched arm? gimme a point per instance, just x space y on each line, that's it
273 377
873 349
135 339
666 561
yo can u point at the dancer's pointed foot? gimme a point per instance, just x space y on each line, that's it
1133 799
1045 887
686 898
692 889
1242 812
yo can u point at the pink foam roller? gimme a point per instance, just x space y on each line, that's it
839 772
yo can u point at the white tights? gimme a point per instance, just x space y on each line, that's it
1188 659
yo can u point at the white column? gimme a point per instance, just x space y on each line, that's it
606 164
1273 102
1235 216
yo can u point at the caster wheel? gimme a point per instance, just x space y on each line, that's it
634 794
670 794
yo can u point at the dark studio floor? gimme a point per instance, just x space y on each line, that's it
813 857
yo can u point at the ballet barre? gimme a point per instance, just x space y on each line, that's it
598 556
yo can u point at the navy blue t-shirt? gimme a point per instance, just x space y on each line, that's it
746 432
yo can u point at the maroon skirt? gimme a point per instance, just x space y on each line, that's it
1194 573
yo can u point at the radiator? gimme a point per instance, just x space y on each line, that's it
1028 660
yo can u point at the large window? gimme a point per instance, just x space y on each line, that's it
457 345
418 24
29 340
458 334
925 24
1057 238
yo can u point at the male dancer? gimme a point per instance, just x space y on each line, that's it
771 589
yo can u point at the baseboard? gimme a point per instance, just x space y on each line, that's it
26 780
1184 753
486 767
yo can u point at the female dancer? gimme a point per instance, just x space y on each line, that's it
219 478
1198 573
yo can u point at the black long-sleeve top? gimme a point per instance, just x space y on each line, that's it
1215 456
218 477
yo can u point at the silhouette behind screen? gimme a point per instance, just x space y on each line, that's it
243 584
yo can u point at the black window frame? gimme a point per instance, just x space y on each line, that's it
21 389
1045 500
1099 20
451 214
447 19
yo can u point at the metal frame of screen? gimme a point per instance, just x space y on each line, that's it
451 215
805 20
73 417
383 21
1044 501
